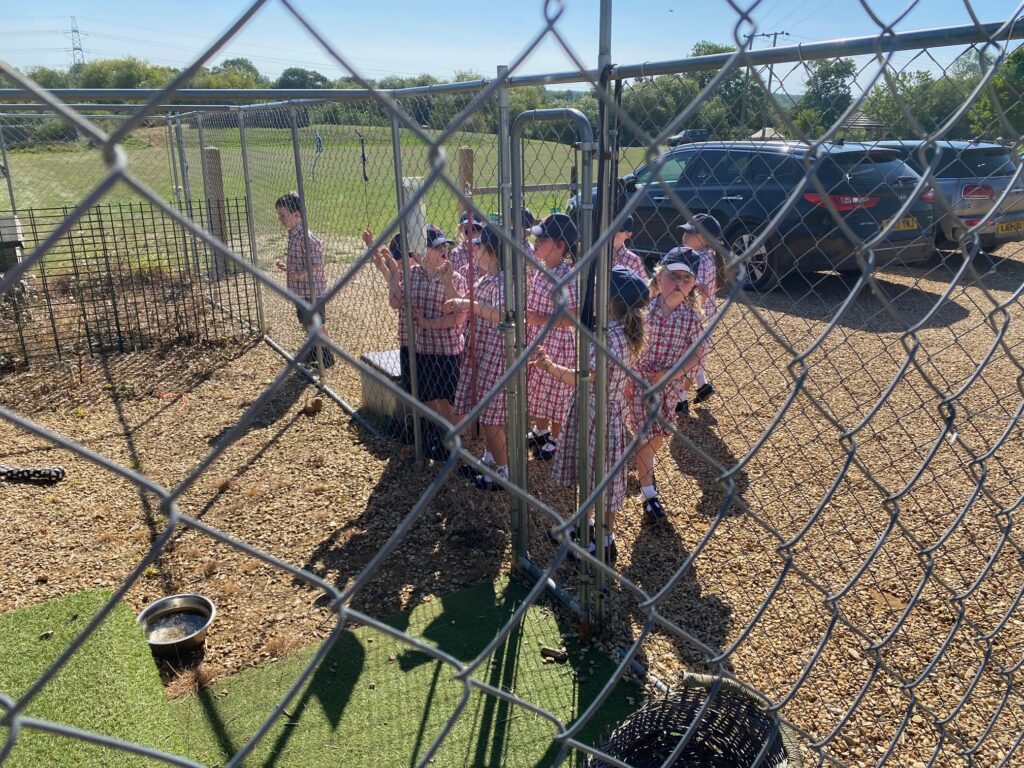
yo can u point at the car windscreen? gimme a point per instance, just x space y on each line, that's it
973 163
865 170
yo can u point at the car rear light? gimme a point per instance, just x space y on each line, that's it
843 203
978 192
928 196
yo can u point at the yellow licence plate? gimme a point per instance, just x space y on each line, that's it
1008 227
905 223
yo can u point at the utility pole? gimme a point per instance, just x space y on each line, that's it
771 72
77 54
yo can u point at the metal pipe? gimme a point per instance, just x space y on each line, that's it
175 187
250 221
602 266
513 324
410 328
311 280
7 171
586 193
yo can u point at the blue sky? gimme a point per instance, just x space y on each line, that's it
408 37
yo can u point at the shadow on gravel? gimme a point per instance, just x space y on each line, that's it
819 297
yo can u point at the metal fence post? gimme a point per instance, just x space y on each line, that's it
602 265
7 170
410 329
175 187
249 220
513 325
300 188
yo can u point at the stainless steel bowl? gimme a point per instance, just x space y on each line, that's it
178 623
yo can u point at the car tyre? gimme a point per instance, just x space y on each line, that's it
761 268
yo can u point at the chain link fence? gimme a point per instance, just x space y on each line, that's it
827 408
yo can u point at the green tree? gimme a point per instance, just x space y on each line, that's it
51 78
297 77
127 72
828 89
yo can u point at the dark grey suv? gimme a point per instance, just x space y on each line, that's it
979 179
745 184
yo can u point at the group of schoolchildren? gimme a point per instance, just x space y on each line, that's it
457 298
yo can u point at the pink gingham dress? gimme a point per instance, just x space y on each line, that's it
626 258
563 468
707 276
486 357
427 296
669 335
546 397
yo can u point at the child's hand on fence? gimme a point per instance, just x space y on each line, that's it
540 360
281 265
455 305
367 237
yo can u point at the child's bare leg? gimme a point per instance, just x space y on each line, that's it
494 437
646 455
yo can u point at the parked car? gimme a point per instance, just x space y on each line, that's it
746 184
973 176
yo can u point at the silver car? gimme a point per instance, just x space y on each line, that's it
973 176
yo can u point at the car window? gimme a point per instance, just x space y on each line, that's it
863 170
972 163
669 172
757 168
713 167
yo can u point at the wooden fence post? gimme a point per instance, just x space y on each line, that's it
216 212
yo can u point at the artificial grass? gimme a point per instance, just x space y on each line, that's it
376 701
110 686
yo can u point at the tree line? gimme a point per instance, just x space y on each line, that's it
910 104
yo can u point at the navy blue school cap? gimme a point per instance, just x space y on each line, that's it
627 225
681 260
436 237
395 246
488 236
630 286
528 218
709 222
478 222
557 226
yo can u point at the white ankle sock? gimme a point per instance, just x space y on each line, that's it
648 492
502 470
487 458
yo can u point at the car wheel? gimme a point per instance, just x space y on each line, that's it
760 266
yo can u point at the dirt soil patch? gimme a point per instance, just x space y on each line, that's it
841 512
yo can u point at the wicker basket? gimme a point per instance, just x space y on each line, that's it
731 734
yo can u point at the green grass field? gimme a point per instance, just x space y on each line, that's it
339 201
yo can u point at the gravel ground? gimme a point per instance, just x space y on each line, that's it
868 572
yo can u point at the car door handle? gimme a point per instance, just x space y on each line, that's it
659 198
732 197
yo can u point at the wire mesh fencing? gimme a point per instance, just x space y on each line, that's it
790 463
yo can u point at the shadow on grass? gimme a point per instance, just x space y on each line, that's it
383 701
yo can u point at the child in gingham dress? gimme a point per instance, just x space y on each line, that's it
547 397
460 253
439 336
621 255
707 291
484 364
673 325
625 339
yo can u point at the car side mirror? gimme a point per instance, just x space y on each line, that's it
629 183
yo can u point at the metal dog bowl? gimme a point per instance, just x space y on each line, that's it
178 623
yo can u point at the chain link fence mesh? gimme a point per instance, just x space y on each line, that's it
840 545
